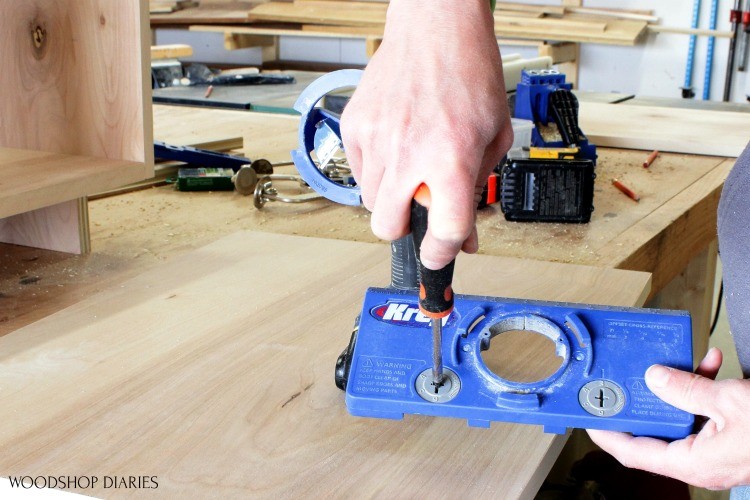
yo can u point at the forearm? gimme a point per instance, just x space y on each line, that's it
734 245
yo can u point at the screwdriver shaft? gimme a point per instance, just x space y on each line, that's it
437 353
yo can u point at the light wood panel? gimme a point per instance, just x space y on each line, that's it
703 132
214 373
170 51
36 179
206 13
75 80
41 228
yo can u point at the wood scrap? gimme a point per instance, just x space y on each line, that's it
360 19
170 51
613 13
655 28
703 132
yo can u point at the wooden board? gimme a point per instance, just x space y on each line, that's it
35 179
214 373
703 132
76 80
79 87
206 13
170 51
41 228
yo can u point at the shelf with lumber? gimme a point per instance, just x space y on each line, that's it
366 19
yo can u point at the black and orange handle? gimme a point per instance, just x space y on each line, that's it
435 287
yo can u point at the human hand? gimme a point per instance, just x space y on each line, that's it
431 108
718 456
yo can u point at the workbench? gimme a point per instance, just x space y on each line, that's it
670 233
213 373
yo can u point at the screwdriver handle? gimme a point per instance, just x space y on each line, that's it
435 287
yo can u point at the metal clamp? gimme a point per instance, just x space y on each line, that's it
319 132
265 191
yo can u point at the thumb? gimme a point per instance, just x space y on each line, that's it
686 391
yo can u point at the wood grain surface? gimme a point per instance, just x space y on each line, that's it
73 78
677 189
701 132
139 231
36 179
214 372
75 81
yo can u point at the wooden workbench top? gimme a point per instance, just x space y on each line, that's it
214 373
134 232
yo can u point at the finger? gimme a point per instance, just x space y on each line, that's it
471 244
674 459
391 214
371 176
684 390
351 144
711 364
354 159
450 221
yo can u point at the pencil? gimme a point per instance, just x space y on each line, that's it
626 190
650 159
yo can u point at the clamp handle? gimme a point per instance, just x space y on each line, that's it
314 119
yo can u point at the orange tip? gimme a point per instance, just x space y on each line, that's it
423 196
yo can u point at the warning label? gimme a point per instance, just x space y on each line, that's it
644 404
385 376
638 331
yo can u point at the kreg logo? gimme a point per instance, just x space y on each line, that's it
403 314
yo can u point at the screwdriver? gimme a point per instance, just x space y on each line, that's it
435 290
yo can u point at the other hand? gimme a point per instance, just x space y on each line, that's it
718 456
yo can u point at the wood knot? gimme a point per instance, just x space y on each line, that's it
102 19
38 34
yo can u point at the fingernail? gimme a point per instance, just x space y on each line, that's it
658 376
431 264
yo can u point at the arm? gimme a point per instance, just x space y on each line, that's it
431 108
718 456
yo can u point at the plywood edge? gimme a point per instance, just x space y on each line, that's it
147 170
63 227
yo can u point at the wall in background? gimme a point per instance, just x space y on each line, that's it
653 68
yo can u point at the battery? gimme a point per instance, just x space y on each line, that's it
205 179
541 190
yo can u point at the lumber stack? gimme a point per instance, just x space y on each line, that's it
366 18
169 6
512 20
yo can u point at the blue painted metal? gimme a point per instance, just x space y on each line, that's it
691 45
532 103
312 120
198 157
710 52
596 343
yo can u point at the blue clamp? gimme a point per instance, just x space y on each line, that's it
318 129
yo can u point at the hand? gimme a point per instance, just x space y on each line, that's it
431 108
717 457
